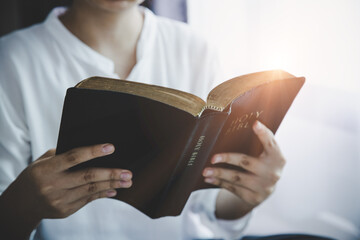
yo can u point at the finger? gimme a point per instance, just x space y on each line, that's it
234 177
82 154
77 204
246 162
94 188
89 175
247 195
266 137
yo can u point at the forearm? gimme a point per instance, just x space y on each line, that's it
230 207
17 218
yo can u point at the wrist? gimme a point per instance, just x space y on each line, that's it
18 217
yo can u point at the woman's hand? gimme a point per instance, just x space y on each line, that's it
251 186
45 189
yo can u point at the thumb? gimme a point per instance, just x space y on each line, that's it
49 153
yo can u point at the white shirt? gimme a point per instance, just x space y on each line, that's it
39 63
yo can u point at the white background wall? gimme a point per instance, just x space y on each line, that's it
319 192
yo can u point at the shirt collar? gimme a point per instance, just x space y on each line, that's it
88 55
147 36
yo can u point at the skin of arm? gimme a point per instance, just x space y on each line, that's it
242 191
45 189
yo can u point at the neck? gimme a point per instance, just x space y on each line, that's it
104 30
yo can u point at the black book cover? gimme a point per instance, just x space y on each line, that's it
164 147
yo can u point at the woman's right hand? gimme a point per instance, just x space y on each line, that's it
45 189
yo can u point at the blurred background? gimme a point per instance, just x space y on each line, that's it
319 192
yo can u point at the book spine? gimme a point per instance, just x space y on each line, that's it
188 172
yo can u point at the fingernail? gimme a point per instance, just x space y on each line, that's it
108 148
111 193
258 125
217 159
126 184
208 172
209 180
125 176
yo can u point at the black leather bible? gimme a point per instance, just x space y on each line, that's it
166 137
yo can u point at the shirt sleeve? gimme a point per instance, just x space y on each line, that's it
199 220
14 138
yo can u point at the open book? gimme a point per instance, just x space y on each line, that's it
166 137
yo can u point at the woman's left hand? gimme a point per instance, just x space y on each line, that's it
256 182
